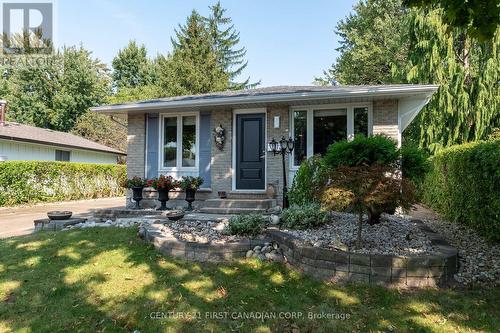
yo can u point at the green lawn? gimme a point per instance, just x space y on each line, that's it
107 280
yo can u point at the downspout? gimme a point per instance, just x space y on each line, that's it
3 107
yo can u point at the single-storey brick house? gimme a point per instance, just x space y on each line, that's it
175 136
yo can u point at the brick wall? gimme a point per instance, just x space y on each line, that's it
222 159
274 163
385 118
136 142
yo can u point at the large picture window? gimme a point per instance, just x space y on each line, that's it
314 128
179 142
329 126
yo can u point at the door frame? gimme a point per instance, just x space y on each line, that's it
234 145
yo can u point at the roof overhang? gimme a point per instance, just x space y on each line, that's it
422 92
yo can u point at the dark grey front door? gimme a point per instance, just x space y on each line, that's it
250 151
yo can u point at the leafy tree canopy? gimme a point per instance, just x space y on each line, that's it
132 68
481 18
373 40
55 92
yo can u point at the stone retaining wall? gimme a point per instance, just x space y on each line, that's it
326 264
169 245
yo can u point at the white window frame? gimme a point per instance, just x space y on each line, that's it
179 116
310 123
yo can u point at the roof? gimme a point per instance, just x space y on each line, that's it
276 94
20 132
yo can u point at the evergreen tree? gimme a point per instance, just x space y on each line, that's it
192 68
132 68
224 39
466 106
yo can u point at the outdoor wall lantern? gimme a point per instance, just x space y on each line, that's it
283 148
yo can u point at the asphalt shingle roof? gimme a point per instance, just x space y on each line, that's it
20 132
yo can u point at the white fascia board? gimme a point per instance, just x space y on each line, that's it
270 98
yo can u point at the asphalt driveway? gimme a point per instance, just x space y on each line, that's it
16 221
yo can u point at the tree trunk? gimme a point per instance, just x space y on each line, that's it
360 226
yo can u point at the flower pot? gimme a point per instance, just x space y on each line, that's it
190 194
163 198
137 196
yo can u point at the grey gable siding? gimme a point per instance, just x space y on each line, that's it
153 129
205 149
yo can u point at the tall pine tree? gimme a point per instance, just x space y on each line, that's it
192 68
225 39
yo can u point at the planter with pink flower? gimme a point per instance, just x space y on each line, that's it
163 185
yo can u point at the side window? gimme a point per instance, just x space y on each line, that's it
361 121
63 155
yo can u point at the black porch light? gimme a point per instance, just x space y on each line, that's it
283 147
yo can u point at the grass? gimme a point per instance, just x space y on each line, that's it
107 280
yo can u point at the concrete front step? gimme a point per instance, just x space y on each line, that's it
217 210
240 203
247 195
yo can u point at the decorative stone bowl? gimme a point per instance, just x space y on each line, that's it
59 215
175 216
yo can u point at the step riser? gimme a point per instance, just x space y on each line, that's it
212 210
239 204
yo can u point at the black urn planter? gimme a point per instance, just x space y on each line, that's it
190 194
137 196
163 198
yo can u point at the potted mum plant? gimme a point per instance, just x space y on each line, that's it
137 185
163 184
190 185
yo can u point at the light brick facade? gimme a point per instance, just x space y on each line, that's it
385 121
136 144
385 118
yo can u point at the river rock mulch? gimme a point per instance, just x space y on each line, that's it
479 259
394 235
200 231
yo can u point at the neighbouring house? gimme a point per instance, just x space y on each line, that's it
176 136
20 142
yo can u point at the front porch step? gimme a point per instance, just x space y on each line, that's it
247 195
218 210
240 203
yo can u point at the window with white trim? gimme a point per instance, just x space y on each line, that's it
314 128
179 142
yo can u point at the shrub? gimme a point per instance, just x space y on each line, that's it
362 151
414 162
464 186
27 182
303 217
249 225
190 183
307 180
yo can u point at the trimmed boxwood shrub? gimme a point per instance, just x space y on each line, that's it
303 217
27 182
464 186
246 225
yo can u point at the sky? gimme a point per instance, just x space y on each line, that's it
287 42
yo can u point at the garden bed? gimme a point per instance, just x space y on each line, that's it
393 236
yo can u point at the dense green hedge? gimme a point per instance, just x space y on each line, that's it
43 181
464 186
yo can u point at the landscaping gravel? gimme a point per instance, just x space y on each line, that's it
200 231
479 259
393 235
